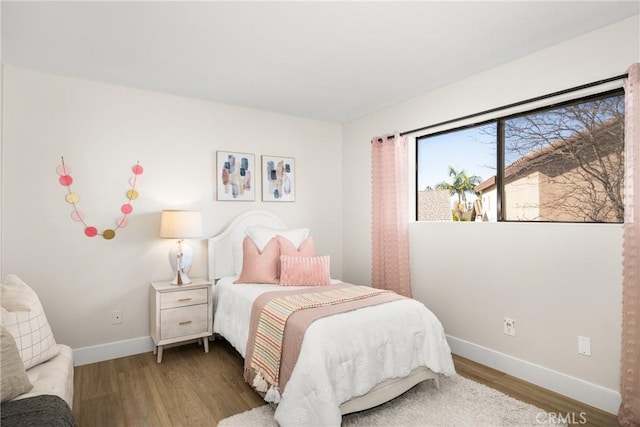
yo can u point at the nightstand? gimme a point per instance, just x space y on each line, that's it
180 313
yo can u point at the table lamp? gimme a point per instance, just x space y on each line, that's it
181 225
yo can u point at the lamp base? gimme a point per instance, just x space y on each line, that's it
180 258
181 279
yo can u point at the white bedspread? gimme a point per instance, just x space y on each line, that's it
342 356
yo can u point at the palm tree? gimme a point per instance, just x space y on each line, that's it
461 184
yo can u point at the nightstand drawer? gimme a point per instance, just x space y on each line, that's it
183 321
180 314
183 298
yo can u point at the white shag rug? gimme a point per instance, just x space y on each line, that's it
458 402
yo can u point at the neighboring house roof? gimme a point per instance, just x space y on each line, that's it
604 131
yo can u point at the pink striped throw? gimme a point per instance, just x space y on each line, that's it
269 334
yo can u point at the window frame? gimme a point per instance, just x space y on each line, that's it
499 121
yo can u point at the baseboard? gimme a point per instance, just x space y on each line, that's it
112 350
592 394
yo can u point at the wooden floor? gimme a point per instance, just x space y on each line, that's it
191 388
569 410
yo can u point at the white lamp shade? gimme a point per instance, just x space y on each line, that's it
181 224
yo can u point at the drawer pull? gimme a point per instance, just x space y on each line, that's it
185 322
184 299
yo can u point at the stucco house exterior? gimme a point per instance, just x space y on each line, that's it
576 179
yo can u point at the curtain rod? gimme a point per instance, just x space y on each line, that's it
515 104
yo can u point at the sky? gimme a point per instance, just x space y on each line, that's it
467 149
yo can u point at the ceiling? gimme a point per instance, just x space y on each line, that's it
327 60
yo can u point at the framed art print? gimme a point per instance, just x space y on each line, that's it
278 179
235 176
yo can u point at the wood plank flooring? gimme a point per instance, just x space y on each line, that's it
570 410
193 388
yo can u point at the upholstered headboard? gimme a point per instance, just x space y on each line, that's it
221 246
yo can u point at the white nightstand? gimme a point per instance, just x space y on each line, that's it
180 313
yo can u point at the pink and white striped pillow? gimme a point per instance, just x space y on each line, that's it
305 271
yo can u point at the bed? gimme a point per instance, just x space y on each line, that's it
405 342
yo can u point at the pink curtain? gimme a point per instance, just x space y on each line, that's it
390 219
629 413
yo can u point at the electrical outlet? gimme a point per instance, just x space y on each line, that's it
116 316
584 346
509 327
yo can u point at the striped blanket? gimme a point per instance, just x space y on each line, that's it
267 347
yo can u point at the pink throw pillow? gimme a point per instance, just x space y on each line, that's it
305 271
306 248
259 267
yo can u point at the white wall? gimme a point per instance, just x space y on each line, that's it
102 130
1 151
557 281
1 104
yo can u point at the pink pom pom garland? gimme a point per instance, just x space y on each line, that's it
66 180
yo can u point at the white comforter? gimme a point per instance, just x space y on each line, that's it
342 356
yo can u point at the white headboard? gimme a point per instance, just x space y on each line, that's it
221 246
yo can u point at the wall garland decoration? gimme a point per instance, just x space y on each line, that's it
77 215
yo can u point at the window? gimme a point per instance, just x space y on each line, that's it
450 166
562 163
